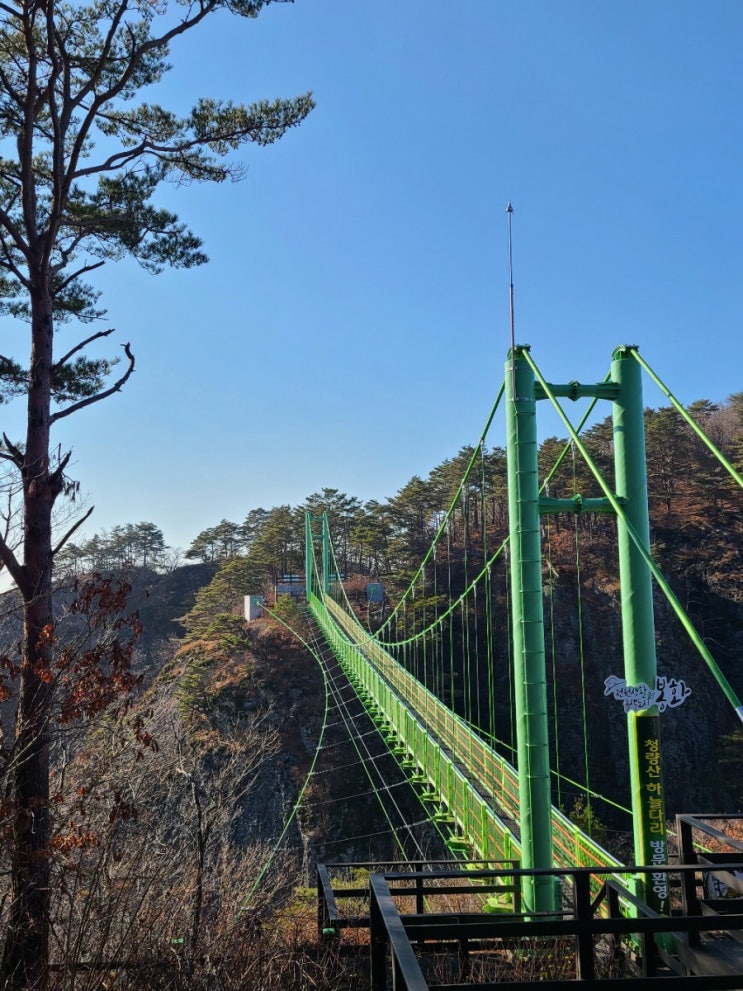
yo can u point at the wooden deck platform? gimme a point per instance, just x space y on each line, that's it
715 957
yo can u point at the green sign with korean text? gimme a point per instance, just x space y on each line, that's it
653 811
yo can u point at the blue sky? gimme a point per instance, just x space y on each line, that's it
351 328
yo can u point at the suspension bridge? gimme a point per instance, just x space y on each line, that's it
435 671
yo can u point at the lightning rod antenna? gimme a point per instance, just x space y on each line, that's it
509 214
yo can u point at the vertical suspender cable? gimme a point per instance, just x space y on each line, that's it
553 656
589 811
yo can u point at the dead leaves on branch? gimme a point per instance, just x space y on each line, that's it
93 669
87 657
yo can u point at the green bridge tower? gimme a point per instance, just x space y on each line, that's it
624 389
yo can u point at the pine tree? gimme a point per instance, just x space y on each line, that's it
70 73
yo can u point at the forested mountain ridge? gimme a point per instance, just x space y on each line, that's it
696 512
690 496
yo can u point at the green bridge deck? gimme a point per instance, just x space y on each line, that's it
475 786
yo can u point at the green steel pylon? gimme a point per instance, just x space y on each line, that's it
535 801
310 537
638 625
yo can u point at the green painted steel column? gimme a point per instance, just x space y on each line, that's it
638 624
308 555
325 553
540 894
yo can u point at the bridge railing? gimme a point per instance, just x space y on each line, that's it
473 781
383 687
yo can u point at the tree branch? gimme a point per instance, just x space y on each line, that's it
81 345
15 455
172 151
83 270
71 102
55 478
16 570
72 529
106 47
14 232
7 85
101 395
58 127
12 11
135 57
29 198
10 266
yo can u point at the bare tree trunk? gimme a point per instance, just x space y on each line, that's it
202 837
27 940
26 946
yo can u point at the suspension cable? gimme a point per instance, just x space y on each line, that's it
642 550
688 418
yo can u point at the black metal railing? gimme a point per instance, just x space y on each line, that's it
604 940
473 920
605 933
713 841
343 888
